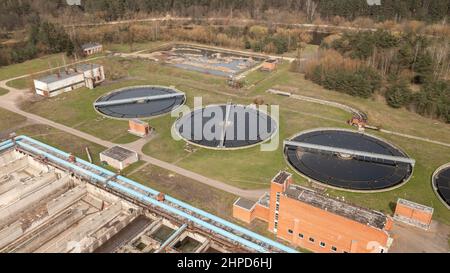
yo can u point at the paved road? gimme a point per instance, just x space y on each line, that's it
9 102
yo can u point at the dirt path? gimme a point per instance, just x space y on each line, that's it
409 239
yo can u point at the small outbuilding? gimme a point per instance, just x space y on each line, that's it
119 157
139 128
91 48
269 65
413 214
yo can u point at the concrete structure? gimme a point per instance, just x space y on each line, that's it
413 214
139 128
52 202
84 75
118 157
91 48
316 222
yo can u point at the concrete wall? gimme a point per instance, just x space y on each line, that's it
67 199
9 157
24 188
71 81
10 234
11 211
93 50
14 166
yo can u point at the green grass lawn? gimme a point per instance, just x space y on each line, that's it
31 66
3 91
63 141
21 83
9 120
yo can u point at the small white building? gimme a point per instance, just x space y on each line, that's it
91 48
84 75
118 157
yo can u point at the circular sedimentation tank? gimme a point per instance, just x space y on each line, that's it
140 102
226 127
441 184
348 160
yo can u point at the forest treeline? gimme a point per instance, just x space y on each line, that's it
409 70
409 67
16 13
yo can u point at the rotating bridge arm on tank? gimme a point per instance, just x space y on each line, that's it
138 99
349 152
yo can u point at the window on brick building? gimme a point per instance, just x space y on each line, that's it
333 248
322 244
301 235
290 231
311 239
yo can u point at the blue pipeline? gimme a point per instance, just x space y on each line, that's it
6 145
154 192
213 228
62 162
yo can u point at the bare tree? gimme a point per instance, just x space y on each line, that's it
311 8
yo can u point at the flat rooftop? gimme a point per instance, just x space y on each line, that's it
118 153
362 215
140 122
59 77
415 206
281 177
245 203
68 74
90 45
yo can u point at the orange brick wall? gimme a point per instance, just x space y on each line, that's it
261 213
411 213
246 216
139 128
344 234
274 189
242 214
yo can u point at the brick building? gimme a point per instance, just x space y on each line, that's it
413 214
139 128
315 221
